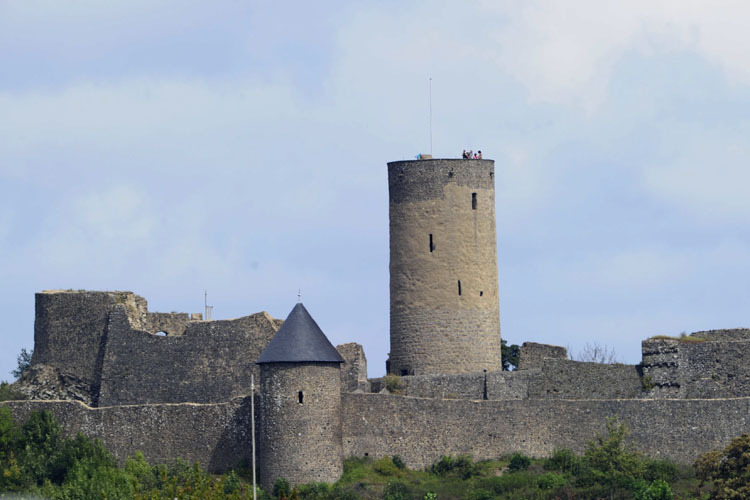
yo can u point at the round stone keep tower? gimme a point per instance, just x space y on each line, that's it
300 405
445 316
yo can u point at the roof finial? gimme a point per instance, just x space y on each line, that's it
299 295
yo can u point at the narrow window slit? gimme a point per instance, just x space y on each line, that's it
473 201
481 293
432 245
299 397
459 287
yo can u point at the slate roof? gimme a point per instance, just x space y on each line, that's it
299 339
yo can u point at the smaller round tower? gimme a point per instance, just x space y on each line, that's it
300 404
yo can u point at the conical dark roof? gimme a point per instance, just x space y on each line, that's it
298 340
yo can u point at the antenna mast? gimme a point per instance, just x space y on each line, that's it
208 309
430 102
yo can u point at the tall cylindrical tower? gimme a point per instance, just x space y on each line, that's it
445 316
300 405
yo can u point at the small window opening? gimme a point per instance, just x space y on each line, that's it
450 174
404 373
459 287
481 293
492 174
299 397
161 334
432 245
367 454
473 201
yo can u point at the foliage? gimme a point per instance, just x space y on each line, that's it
647 383
728 470
24 362
461 466
397 490
398 462
611 462
510 354
394 383
657 490
663 470
281 487
563 460
552 481
519 461
594 352
386 467
10 393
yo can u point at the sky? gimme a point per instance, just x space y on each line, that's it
172 147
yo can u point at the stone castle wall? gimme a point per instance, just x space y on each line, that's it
105 344
443 267
215 435
421 430
703 365
211 362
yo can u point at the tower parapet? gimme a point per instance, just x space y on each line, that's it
445 316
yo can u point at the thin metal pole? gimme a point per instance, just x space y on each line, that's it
430 116
252 424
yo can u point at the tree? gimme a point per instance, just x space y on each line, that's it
24 362
611 461
729 469
510 354
594 352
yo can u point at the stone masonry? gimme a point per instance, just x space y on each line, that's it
444 297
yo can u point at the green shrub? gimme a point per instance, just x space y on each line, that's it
397 490
551 481
88 481
23 363
394 383
563 460
40 445
281 487
507 483
9 393
76 450
518 461
461 466
145 476
664 470
657 490
314 491
398 462
481 494
386 467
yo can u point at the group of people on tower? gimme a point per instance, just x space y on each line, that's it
471 155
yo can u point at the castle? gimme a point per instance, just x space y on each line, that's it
173 385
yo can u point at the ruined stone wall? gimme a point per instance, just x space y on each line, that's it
443 267
170 323
215 435
69 330
713 368
566 379
300 430
354 369
421 430
211 362
534 354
